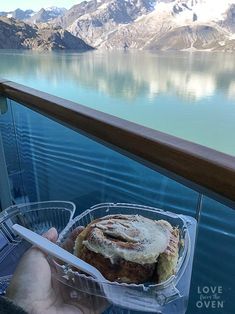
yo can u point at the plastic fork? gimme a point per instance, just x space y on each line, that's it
56 251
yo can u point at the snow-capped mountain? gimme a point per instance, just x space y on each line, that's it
103 11
46 15
43 15
18 14
147 24
104 17
56 10
154 24
201 10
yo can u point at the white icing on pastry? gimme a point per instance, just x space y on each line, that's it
131 237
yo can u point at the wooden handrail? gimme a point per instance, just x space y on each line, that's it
204 169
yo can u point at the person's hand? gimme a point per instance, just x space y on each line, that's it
33 288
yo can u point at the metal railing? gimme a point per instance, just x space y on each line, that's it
208 171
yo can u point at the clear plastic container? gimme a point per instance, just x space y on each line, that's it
141 297
38 217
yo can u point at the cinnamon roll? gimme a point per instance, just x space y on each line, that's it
129 248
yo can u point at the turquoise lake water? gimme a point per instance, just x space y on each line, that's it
191 96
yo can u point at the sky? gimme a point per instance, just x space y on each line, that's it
11 5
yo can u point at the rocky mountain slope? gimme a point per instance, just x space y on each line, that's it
29 16
228 22
15 34
85 7
46 15
104 17
154 24
18 14
140 24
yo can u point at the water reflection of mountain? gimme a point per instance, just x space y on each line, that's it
129 75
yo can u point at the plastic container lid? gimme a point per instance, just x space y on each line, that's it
142 297
38 217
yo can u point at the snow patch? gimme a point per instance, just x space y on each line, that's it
184 11
221 43
56 9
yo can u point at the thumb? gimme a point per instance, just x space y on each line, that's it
51 235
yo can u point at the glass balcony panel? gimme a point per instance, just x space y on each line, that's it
56 162
9 148
212 284
48 161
